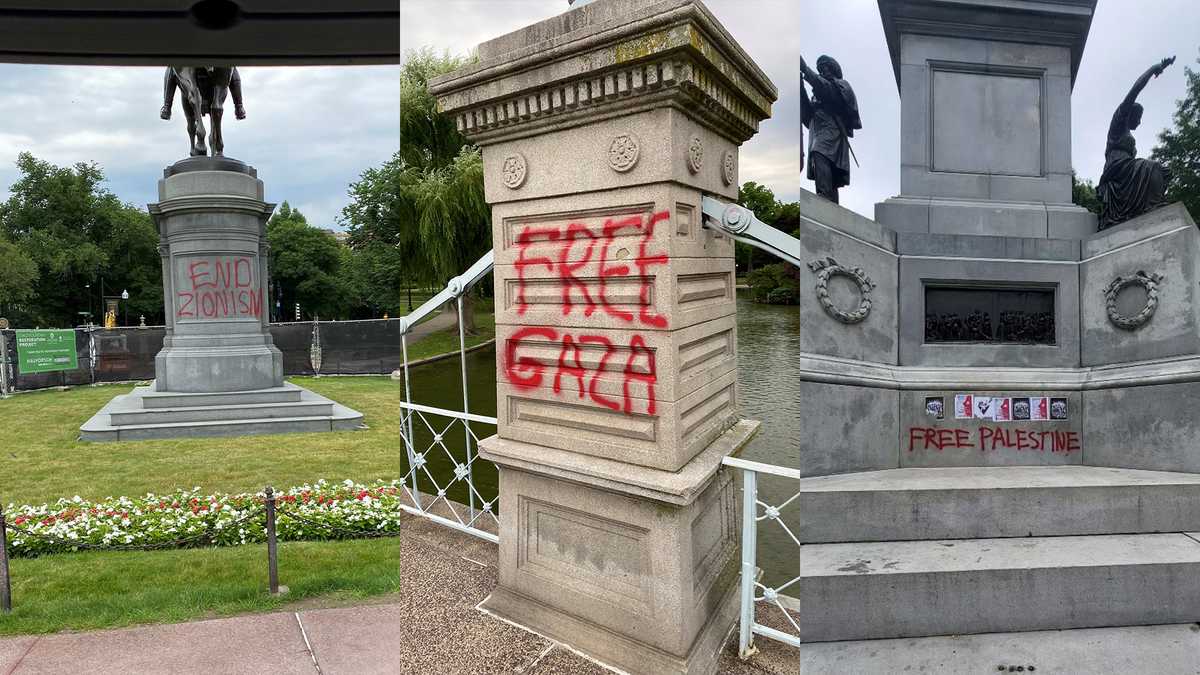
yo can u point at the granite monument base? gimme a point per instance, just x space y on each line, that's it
146 413
633 566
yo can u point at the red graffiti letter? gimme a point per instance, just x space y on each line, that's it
644 262
638 346
523 241
516 368
608 351
577 371
566 270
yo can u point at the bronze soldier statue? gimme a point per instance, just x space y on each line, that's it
204 91
831 117
1130 186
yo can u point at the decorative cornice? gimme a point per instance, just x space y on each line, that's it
835 370
672 54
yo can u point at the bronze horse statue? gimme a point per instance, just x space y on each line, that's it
204 90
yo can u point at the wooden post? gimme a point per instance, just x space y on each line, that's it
5 587
272 552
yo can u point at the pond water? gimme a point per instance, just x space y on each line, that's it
769 391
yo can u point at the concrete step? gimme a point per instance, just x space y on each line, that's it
1165 650
342 419
288 393
878 590
984 502
301 409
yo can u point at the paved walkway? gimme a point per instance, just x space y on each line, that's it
431 626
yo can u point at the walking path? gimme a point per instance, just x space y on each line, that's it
432 626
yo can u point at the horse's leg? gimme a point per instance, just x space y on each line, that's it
192 109
216 109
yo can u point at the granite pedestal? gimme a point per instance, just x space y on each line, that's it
601 129
218 373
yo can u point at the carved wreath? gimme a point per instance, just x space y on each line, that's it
1148 281
829 267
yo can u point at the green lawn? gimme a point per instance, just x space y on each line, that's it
41 460
83 591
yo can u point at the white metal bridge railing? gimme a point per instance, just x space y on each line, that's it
478 516
753 591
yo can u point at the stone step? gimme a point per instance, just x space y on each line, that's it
984 502
1169 650
297 410
342 419
876 590
288 393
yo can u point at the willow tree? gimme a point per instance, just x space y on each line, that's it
426 205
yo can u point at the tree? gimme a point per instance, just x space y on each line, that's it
18 274
1179 148
424 211
80 237
1083 193
304 265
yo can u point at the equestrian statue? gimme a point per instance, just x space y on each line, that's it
204 90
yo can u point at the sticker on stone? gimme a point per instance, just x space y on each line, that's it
935 407
1002 408
1020 409
1039 408
984 408
1058 408
963 407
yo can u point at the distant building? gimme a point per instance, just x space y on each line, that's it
342 236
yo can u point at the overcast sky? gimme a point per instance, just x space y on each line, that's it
309 131
766 29
1127 37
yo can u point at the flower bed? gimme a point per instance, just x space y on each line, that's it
188 518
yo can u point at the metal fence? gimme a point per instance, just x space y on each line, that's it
753 591
365 347
429 434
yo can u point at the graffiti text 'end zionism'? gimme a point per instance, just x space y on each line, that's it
218 287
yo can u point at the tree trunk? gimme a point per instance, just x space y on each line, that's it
468 314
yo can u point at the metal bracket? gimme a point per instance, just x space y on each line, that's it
742 225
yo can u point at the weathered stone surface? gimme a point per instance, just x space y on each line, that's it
859 429
1163 242
997 585
929 442
1146 427
212 239
600 130
986 502
853 241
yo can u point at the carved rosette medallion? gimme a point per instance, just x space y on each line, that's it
1149 282
695 156
513 171
827 268
728 168
623 152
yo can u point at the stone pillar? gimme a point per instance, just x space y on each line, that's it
616 335
211 221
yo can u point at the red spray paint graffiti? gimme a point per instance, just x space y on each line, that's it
993 438
576 251
638 374
221 287
585 265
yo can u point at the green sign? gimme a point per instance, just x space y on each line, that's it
46 351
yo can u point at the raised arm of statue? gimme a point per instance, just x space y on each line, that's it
1154 71
1121 117
806 107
